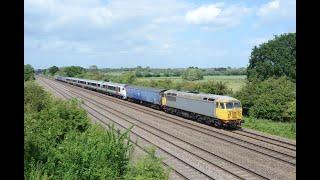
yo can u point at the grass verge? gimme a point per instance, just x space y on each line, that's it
283 129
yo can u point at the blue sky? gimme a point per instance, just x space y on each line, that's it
154 33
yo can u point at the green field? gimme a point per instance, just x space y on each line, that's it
234 82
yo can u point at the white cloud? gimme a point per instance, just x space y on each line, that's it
203 14
217 16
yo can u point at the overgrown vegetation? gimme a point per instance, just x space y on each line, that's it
28 72
60 143
272 99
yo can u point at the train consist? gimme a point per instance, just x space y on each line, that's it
217 110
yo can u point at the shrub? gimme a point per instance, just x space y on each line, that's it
269 99
35 98
28 72
94 154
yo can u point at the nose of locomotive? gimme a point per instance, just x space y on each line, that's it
234 114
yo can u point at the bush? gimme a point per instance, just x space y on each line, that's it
94 154
269 99
28 72
35 98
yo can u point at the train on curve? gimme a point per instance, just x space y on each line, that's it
217 110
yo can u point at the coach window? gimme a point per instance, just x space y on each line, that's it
205 99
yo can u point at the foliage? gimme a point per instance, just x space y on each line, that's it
28 72
275 58
52 70
283 129
148 167
94 154
35 98
269 99
128 78
71 71
192 74
60 143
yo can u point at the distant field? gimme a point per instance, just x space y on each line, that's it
234 82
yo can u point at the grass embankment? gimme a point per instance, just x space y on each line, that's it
283 129
61 143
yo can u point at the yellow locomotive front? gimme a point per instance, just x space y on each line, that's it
229 112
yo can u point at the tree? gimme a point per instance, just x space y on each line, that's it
192 74
28 72
72 71
53 70
275 58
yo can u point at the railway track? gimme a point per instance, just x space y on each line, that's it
271 149
269 139
202 153
233 169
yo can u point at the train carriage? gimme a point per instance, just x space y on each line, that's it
145 95
116 89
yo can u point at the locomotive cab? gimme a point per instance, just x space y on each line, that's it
229 112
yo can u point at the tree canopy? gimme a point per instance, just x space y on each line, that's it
53 70
275 58
72 71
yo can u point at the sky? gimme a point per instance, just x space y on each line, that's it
154 33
